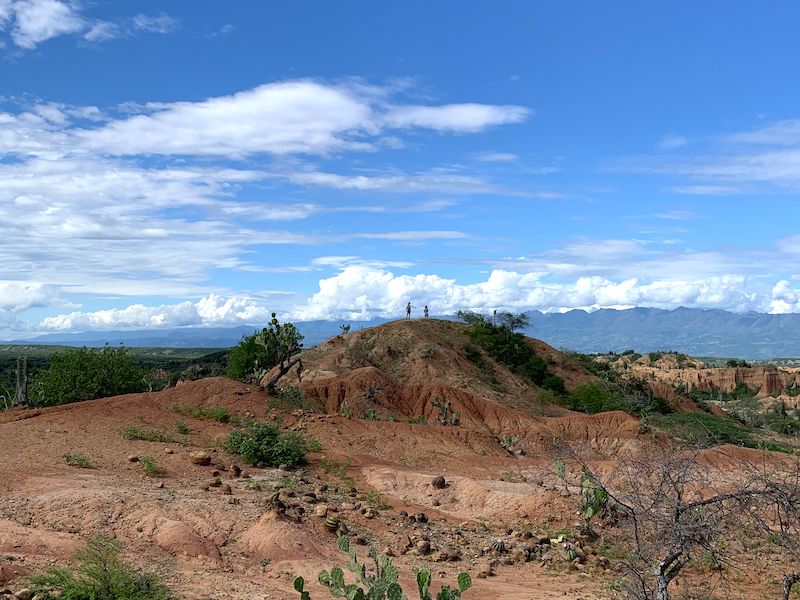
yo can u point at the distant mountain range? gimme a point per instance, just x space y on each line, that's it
696 332
692 331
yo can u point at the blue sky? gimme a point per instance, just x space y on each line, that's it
206 163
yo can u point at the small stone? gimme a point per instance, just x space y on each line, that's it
226 490
283 467
439 482
133 458
215 473
24 594
160 486
236 470
485 570
423 547
436 502
421 518
215 483
169 451
200 458
321 511
348 506
360 540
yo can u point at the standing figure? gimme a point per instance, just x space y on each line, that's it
425 312
408 310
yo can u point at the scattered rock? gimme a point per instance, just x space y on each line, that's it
485 570
200 458
439 482
226 490
423 547
321 511
24 594
215 482
133 458
236 470
169 451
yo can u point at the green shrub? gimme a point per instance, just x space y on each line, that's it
85 374
99 575
78 460
151 467
182 427
380 581
146 435
218 413
263 443
592 398
704 430
292 397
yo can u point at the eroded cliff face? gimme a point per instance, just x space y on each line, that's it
764 381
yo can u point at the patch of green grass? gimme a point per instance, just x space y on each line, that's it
78 460
182 428
313 444
376 501
146 435
151 467
219 414
263 443
100 573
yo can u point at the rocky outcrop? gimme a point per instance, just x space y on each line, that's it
764 381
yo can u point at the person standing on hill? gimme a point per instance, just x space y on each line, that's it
408 310
425 312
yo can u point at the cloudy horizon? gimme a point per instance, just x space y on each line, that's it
174 165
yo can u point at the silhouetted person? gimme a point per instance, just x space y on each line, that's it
408 310
425 312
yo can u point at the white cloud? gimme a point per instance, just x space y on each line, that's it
102 31
497 157
36 21
672 141
362 292
784 298
161 23
465 118
18 296
289 117
366 289
40 20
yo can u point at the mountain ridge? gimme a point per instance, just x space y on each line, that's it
698 332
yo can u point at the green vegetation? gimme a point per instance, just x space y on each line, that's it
85 374
263 443
291 397
218 413
78 460
245 359
705 430
146 435
380 581
182 428
150 467
99 575
509 348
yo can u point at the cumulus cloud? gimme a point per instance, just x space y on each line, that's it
784 298
362 290
35 21
210 310
18 296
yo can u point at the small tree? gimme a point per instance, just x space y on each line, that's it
86 374
282 344
666 507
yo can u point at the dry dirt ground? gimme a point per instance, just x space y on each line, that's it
375 474
213 545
